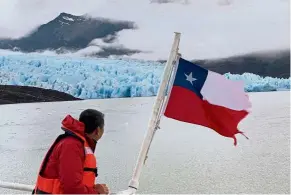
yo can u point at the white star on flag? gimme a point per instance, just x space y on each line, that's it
190 78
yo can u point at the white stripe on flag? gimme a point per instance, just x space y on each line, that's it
221 91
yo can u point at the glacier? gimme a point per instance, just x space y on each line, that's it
100 78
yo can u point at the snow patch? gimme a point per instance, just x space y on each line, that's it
63 22
68 18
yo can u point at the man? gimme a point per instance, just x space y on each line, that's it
70 166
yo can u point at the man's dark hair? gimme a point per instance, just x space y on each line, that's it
92 119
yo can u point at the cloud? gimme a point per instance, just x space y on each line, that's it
210 28
18 17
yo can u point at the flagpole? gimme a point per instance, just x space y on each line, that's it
152 125
163 104
166 99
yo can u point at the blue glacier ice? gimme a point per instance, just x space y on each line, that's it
89 78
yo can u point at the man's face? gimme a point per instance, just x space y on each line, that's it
97 134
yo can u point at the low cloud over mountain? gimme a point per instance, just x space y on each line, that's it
71 33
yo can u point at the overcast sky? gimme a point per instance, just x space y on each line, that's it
208 28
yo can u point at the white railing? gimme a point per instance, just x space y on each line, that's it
16 186
29 188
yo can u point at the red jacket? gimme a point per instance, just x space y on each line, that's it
67 158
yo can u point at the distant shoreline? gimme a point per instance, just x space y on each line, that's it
11 94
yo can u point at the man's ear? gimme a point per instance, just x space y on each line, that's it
98 129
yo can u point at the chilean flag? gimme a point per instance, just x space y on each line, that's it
205 98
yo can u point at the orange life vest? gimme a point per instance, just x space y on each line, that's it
53 186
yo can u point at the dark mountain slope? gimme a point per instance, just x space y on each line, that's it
69 32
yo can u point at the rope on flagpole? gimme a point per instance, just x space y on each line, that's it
170 85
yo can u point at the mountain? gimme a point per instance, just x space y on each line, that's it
69 32
273 64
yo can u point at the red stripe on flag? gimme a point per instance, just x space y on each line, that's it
186 106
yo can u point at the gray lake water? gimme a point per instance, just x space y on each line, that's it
183 158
